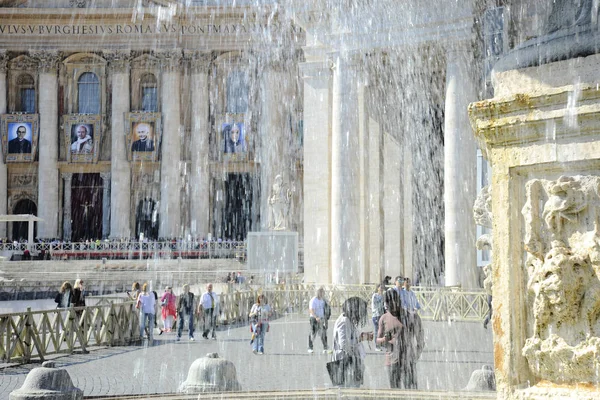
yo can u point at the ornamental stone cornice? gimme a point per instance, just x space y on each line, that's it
199 61
118 60
47 59
170 60
23 63
146 62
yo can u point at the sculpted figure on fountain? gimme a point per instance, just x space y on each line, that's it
563 268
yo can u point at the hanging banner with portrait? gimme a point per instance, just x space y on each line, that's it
83 135
19 137
234 138
143 136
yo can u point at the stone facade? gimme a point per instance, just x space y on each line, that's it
360 136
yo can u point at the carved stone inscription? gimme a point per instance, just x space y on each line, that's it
562 240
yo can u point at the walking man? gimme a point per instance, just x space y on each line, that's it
209 309
185 310
318 322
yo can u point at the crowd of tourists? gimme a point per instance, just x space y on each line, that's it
397 327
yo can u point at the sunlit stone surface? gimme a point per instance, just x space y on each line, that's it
540 136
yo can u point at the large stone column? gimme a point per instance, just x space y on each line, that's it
120 189
106 182
3 169
317 179
460 159
274 130
170 214
199 146
67 206
48 143
345 171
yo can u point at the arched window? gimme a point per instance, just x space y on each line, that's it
89 93
237 92
149 93
26 94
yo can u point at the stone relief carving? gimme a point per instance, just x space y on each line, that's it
482 212
562 239
18 180
279 205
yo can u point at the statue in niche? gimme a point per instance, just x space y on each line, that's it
279 205
563 266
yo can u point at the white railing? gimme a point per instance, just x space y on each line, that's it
108 249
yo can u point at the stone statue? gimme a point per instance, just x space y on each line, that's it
563 267
279 205
482 212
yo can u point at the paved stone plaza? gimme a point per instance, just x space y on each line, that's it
452 352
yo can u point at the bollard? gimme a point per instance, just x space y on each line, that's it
47 383
211 374
482 379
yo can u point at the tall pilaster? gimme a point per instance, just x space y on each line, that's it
120 189
106 182
170 163
460 159
67 206
345 172
317 177
48 200
3 169
274 130
199 145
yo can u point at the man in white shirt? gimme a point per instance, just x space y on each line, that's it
318 322
209 310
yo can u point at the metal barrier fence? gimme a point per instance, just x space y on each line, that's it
36 334
437 304
115 320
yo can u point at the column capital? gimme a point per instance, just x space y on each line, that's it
47 59
105 176
3 61
199 61
316 70
170 60
67 176
118 60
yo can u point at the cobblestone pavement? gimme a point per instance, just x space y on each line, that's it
452 352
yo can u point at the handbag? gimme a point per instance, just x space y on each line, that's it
337 371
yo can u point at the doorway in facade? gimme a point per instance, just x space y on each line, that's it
20 228
146 219
235 197
86 207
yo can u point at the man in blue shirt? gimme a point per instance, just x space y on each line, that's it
408 298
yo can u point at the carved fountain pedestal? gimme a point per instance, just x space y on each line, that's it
541 132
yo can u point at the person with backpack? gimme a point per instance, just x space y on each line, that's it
318 319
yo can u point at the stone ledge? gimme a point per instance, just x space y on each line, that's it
321 394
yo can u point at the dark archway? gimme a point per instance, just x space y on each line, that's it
146 219
19 230
236 210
